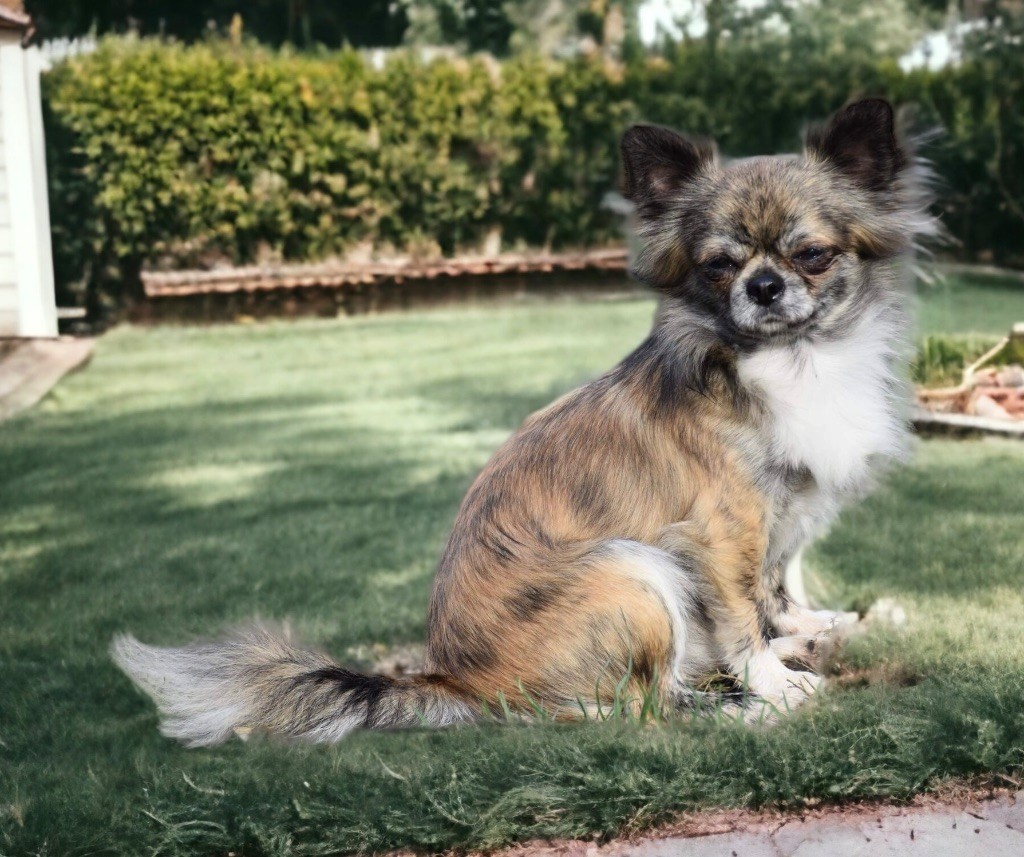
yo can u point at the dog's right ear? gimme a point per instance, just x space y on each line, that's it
860 142
656 164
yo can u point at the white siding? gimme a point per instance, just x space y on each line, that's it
8 286
5 210
5 206
6 237
8 294
7 277
6 233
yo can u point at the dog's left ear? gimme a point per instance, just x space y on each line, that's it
657 164
860 141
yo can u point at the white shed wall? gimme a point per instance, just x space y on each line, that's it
27 304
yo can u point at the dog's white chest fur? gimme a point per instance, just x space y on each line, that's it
832 405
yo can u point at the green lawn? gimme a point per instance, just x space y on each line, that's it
978 303
193 478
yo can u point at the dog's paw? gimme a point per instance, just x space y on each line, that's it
776 685
814 623
767 708
799 686
813 651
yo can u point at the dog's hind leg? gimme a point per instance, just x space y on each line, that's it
796 616
592 625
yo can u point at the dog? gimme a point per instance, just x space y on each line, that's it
631 538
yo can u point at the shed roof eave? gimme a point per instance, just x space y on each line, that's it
11 20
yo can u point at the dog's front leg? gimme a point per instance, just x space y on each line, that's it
789 610
813 623
756 661
789 617
730 563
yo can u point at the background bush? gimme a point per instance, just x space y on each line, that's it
170 156
167 156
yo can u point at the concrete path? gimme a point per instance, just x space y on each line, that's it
29 369
991 828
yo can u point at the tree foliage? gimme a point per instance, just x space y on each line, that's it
493 26
979 152
166 155
273 22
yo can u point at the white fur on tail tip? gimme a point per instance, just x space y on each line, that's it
196 689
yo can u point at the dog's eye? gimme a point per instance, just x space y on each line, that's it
814 259
719 266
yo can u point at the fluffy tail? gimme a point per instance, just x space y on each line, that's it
256 681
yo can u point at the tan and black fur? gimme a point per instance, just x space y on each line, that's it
639 526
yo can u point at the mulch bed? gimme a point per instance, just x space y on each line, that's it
990 398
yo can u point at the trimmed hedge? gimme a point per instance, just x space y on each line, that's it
174 156
170 156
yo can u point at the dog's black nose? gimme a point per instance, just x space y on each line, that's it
764 289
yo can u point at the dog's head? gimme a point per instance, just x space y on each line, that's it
772 247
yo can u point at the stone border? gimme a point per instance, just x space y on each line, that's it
341 274
965 425
968 825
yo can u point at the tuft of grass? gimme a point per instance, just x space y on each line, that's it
941 359
191 479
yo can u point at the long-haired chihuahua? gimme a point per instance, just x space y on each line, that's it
631 537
